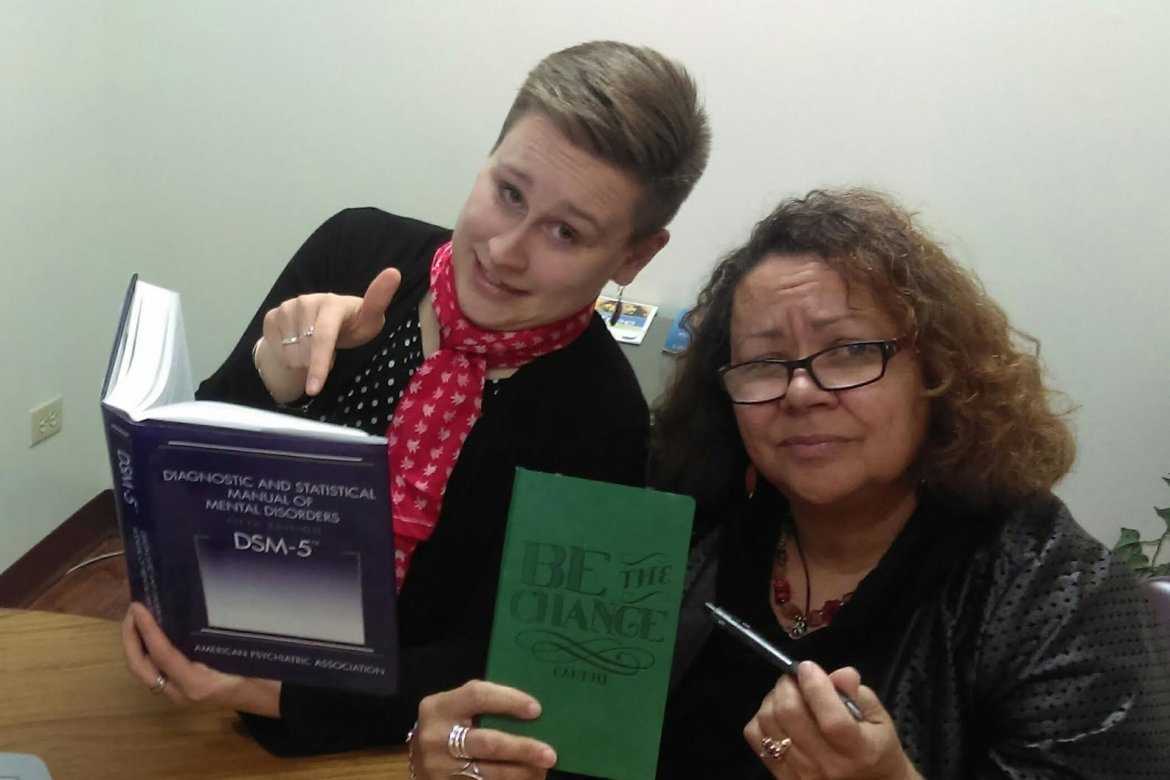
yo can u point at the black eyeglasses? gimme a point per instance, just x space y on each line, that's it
843 367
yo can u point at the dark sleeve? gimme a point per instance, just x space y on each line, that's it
588 417
342 256
315 721
1081 686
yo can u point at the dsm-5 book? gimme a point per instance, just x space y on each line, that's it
260 541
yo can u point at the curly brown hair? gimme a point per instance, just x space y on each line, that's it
993 434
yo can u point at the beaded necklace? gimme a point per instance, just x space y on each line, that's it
806 619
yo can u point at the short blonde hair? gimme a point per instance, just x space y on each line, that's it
629 106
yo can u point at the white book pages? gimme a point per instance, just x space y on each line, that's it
140 360
244 417
152 377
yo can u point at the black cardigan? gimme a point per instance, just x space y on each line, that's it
1004 642
576 411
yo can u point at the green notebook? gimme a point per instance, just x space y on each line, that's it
590 586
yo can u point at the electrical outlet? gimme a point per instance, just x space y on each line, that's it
47 420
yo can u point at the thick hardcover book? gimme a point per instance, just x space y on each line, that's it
590 586
261 542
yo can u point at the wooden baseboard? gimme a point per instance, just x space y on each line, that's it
44 564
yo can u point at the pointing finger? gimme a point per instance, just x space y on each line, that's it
322 348
372 314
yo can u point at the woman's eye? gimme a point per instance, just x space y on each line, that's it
510 194
563 232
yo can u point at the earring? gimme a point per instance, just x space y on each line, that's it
617 307
750 477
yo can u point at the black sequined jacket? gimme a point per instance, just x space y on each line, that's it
1005 643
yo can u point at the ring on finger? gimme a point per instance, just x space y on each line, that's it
288 341
160 682
457 742
469 770
775 749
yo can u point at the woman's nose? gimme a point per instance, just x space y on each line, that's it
508 249
804 392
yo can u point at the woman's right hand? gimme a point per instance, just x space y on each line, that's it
491 753
301 335
804 732
164 669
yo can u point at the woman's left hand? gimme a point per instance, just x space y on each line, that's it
804 732
438 750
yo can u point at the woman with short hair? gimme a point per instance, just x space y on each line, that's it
390 324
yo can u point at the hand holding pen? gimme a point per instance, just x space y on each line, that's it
745 634
818 725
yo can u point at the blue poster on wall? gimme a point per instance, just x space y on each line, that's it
678 338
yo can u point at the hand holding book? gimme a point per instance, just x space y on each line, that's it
259 542
586 615
295 354
433 749
164 669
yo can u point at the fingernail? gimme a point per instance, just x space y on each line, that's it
548 757
313 387
531 710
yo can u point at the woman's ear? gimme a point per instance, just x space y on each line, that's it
638 254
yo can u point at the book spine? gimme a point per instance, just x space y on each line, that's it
134 519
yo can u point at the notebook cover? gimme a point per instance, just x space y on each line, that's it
586 613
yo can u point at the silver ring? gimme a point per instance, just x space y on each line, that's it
469 770
160 682
775 749
308 334
457 742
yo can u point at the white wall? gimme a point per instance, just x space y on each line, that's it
55 254
199 142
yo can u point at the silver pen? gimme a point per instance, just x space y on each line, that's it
749 637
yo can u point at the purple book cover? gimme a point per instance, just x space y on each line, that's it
261 554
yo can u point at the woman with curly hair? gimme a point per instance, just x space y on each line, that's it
895 526
873 447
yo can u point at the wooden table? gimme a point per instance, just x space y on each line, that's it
66 696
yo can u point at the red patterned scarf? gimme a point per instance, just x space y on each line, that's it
444 400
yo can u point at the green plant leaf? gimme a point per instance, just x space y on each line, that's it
1132 555
1162 570
1128 549
1143 571
1164 513
1166 479
1128 536
1139 561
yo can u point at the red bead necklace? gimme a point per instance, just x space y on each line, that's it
806 619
